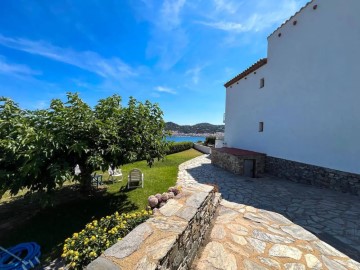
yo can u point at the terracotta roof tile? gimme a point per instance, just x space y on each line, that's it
246 72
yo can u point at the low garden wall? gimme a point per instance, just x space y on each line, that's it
170 239
202 148
314 175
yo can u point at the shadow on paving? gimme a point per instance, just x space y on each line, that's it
49 227
332 216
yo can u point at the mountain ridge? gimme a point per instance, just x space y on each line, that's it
199 128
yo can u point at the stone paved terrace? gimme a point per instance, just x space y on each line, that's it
244 237
331 216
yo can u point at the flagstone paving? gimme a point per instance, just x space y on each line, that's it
247 238
247 233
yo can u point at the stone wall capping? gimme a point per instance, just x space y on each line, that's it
168 240
103 263
130 243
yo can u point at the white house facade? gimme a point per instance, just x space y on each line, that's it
301 105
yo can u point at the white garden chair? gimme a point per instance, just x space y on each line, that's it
115 173
135 179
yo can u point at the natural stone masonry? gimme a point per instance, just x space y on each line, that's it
331 216
242 236
235 162
314 175
170 239
248 241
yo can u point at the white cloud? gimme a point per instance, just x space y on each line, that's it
226 26
227 6
168 40
86 60
170 13
16 69
165 90
41 104
194 73
155 95
262 16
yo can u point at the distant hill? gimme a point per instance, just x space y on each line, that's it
198 128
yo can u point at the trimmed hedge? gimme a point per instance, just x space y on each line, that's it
210 140
176 147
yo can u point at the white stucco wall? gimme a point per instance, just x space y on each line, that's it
202 148
310 104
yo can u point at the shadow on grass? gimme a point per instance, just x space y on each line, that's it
51 226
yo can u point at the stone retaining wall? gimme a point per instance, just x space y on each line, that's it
314 175
235 164
170 239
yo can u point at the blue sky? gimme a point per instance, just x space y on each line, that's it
177 53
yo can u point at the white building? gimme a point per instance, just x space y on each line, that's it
302 102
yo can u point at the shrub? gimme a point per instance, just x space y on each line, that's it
178 147
97 236
210 140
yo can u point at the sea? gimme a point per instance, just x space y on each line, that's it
185 138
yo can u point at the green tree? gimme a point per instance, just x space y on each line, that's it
39 149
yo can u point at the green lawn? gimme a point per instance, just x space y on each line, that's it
50 227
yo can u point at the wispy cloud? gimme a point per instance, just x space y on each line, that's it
262 16
165 90
16 69
194 73
227 6
170 13
41 104
226 26
86 60
168 40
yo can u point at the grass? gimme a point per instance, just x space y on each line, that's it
50 227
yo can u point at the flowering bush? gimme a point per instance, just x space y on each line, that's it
97 236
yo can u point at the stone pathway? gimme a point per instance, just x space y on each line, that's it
331 216
244 237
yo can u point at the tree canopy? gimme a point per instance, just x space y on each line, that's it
39 149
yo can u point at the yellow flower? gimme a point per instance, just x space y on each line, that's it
76 253
75 235
63 255
93 237
71 252
76 258
73 264
92 254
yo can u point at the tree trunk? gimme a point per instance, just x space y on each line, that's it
85 180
